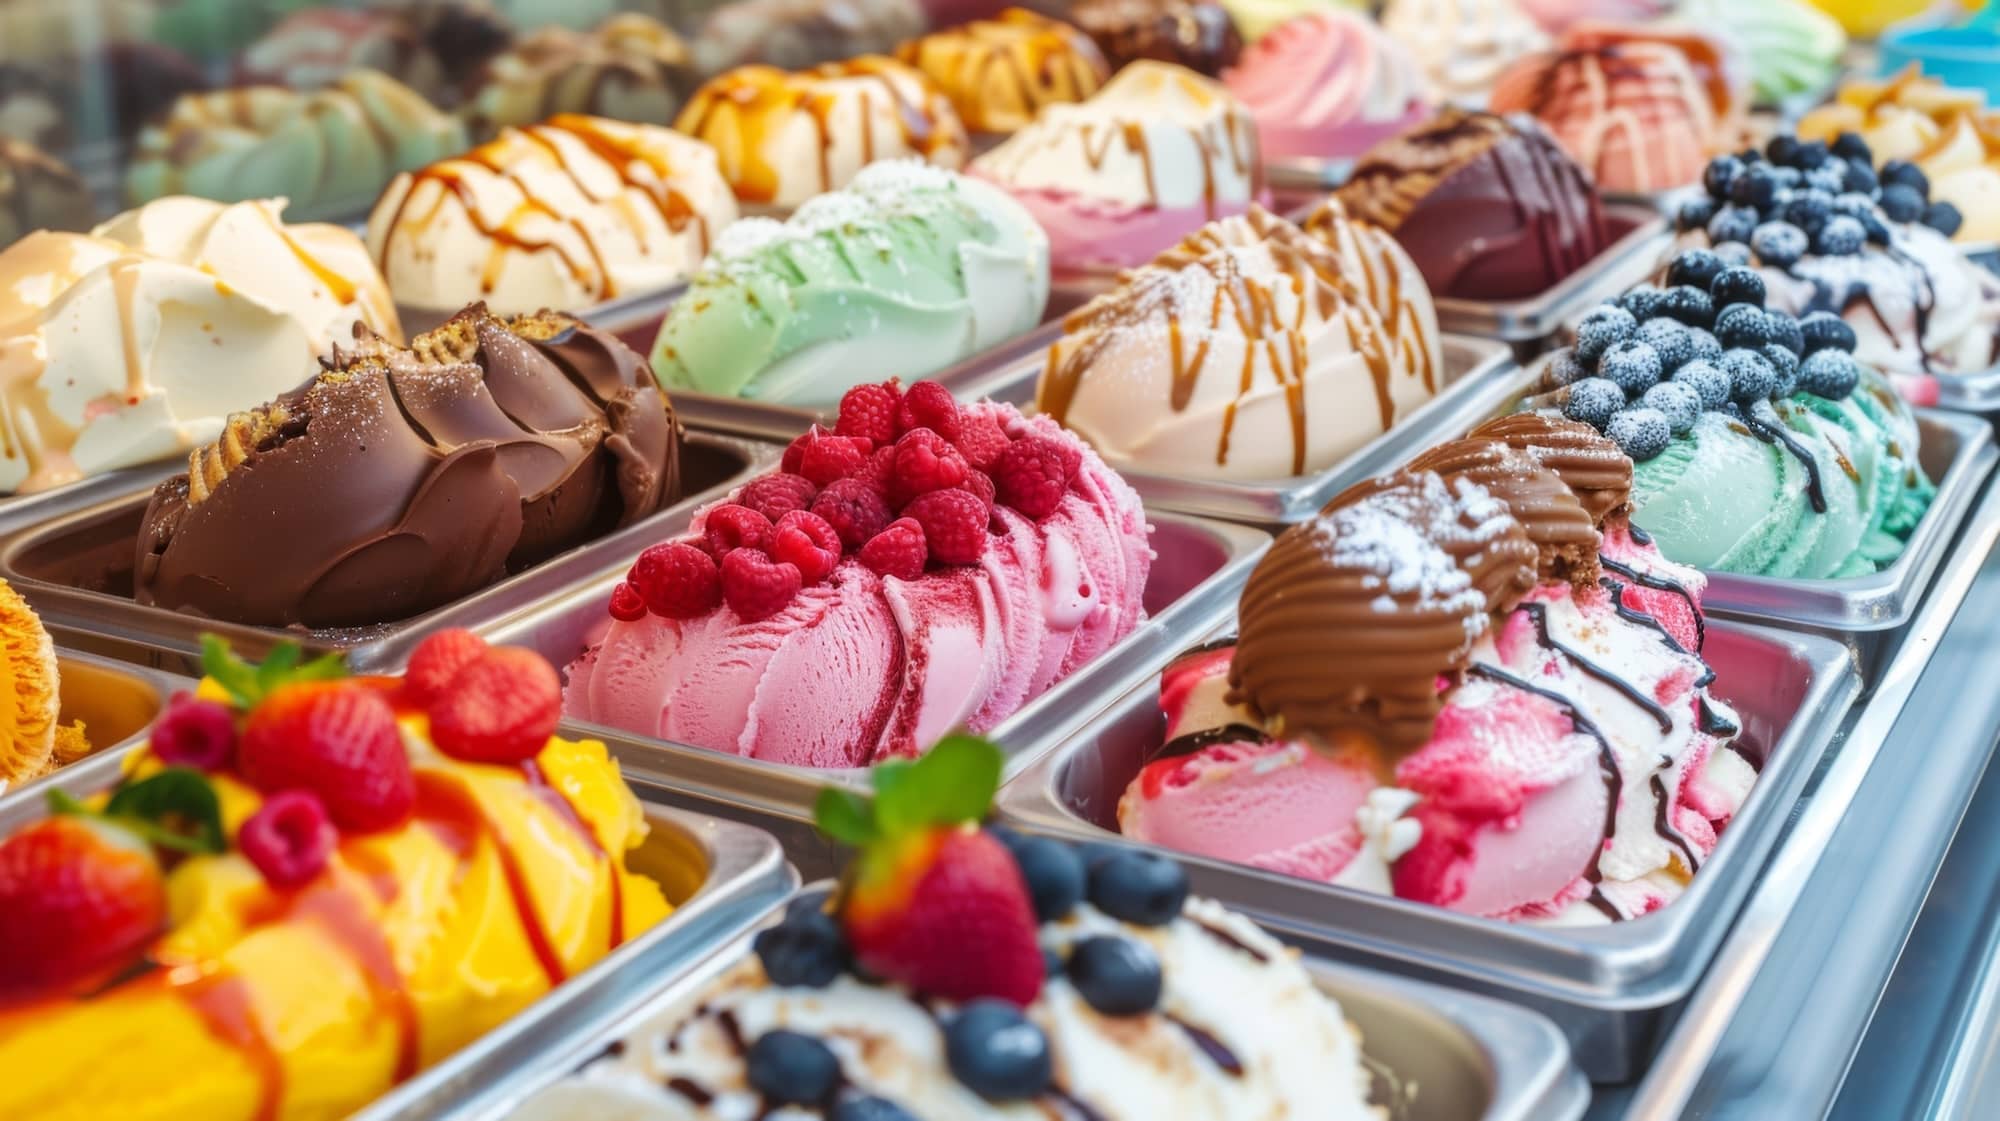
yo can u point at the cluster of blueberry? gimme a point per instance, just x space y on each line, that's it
991 1045
1647 365
1800 196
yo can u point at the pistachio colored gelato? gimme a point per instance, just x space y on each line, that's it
1793 47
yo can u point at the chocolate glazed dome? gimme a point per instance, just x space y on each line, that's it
1489 207
396 480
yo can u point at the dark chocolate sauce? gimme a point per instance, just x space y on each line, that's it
1607 762
1228 939
1665 828
1712 722
691 1090
1638 535
1214 1048
1069 1103
1634 615
1539 614
1776 434
1196 741
1662 584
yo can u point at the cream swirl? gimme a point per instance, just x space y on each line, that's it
1328 84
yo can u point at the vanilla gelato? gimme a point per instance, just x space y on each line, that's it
564 214
1463 45
1252 350
132 343
1115 179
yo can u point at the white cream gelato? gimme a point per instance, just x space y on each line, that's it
1463 45
133 343
564 214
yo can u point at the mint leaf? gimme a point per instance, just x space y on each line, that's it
277 664
951 784
175 809
247 685
63 802
845 816
236 676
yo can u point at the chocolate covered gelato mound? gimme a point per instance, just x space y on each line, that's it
398 480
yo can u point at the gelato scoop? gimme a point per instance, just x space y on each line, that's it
398 480
306 888
1468 683
1558 16
1489 207
329 151
631 68
1793 48
39 192
1117 178
130 344
1077 1003
1249 351
1949 134
33 739
1827 232
922 567
795 34
314 47
568 213
1761 445
786 137
1329 85
1198 34
1463 46
907 271
1000 72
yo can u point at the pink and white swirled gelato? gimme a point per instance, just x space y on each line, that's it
894 584
1156 153
1328 85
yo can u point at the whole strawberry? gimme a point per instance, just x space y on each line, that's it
933 902
80 898
337 739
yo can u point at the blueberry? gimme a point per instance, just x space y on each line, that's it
1840 237
1116 976
1829 373
1737 286
1779 244
1052 963
1678 402
1720 173
1751 377
1693 266
1788 178
1707 380
1641 433
867 1107
1704 345
1755 188
1669 339
1606 324
792 1068
1824 330
1944 218
1785 364
1563 369
1733 253
998 1053
1860 178
1094 853
1593 400
1630 365
1903 173
1902 202
1741 325
1782 148
1853 146
1054 875
1688 304
1878 230
806 950
1643 302
1732 223
1695 213
1808 210
1142 888
811 902
1831 178
1812 154
1785 332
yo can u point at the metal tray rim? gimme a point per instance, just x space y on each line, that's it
98 769
1536 317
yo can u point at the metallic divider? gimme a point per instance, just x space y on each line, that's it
117 703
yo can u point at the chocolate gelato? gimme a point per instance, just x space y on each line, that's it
399 480
1197 34
1489 207
631 68
38 192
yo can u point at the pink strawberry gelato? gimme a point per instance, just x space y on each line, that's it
1329 85
863 666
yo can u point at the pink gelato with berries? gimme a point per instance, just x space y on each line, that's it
923 566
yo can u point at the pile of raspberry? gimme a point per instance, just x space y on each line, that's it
905 481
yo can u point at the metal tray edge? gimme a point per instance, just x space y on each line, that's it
98 769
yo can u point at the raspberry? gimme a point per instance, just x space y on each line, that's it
792 462
870 411
436 661
732 526
808 543
289 838
898 550
677 580
627 605
924 463
981 440
195 733
337 739
855 510
928 405
755 586
830 458
502 708
980 486
954 525
1033 476
774 496
880 467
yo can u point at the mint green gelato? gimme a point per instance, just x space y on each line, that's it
906 271
1722 498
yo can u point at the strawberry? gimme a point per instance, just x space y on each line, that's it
502 708
337 739
80 898
928 883
436 661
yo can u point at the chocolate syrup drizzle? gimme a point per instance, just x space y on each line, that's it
1661 584
1538 613
1206 738
1207 1044
1775 434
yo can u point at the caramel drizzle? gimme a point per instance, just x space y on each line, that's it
998 72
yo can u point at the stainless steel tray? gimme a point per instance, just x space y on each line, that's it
75 570
1469 363
1459 1057
117 703
1295 179
1640 235
1868 613
17 510
1610 986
